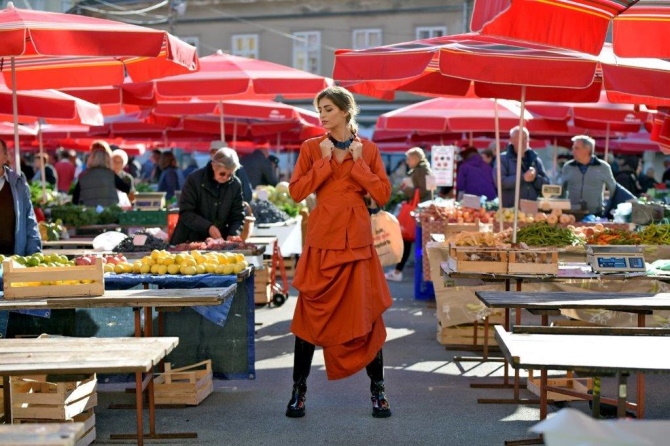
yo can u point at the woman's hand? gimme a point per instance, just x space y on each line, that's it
356 149
214 232
326 148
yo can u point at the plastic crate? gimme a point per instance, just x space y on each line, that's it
423 290
144 218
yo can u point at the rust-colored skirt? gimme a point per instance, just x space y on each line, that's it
343 294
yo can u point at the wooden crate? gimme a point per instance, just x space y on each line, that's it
460 259
186 385
533 261
464 335
24 283
456 228
88 418
581 385
262 290
289 266
39 399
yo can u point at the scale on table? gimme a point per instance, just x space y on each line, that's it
615 259
548 202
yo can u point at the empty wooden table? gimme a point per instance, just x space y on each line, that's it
86 356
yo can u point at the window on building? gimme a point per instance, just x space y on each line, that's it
192 40
428 32
366 38
245 45
307 51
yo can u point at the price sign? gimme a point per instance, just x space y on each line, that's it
139 240
442 164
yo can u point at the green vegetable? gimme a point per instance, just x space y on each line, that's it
543 234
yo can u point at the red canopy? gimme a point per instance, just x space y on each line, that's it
641 28
223 75
53 50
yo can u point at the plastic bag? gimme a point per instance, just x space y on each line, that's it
406 220
387 238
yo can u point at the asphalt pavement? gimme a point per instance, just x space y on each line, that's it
430 396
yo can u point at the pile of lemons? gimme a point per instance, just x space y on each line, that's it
187 264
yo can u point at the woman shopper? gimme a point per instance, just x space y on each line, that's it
171 179
98 184
340 279
419 169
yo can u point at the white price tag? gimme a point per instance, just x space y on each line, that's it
139 240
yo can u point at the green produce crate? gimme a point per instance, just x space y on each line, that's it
144 218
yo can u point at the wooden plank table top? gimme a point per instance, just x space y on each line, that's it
570 300
69 243
128 298
34 434
58 355
598 355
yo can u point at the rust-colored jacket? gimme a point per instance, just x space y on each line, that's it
341 217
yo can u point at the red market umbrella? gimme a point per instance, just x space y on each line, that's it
224 75
50 50
641 28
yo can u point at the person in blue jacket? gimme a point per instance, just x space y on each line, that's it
533 175
18 225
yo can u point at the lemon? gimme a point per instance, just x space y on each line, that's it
190 270
200 260
118 268
145 269
108 268
155 254
146 259
195 253
239 267
227 268
173 269
178 259
127 267
239 257
62 259
167 261
154 268
162 269
182 268
210 268
189 262
137 266
200 269
219 269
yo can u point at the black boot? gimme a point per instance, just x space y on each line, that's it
380 405
302 363
296 407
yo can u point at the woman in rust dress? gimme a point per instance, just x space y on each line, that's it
343 292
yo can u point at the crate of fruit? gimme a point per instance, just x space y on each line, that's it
475 259
186 385
26 282
533 261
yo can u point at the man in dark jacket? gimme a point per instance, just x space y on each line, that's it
259 168
211 202
533 176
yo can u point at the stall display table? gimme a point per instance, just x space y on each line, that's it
38 434
85 243
596 355
87 356
288 233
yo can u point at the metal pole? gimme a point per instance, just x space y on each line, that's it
498 169
222 130
15 110
519 155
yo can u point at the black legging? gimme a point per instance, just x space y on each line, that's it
407 249
302 363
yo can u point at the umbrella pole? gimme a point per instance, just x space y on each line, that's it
519 155
498 171
555 160
607 142
15 110
42 161
222 130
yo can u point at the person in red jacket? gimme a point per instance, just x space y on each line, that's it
343 292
